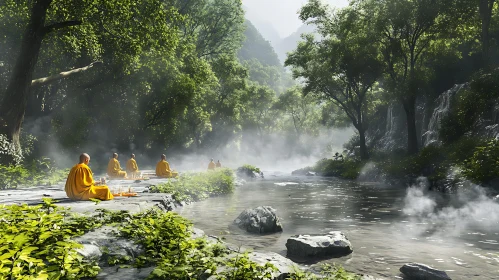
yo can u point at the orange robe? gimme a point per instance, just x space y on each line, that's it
132 168
218 165
114 169
163 170
80 185
211 165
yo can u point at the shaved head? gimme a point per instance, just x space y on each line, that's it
84 158
163 156
115 155
132 156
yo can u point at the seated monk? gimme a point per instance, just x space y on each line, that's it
211 165
114 168
163 169
218 165
132 169
80 184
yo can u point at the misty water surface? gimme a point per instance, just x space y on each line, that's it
387 226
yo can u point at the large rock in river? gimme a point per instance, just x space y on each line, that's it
262 219
416 271
333 244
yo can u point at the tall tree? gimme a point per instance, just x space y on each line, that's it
485 8
408 29
122 26
341 66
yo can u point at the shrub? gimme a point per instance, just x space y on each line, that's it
197 186
347 169
35 244
37 172
483 166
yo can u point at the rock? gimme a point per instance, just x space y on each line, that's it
167 203
117 273
197 233
285 266
102 245
262 219
416 271
333 244
310 173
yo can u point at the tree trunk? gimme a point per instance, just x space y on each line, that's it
13 105
410 112
364 155
485 10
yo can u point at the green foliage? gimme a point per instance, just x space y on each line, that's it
241 267
198 186
248 168
35 173
328 272
347 169
35 244
483 166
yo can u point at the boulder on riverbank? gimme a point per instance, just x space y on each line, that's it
262 220
416 271
249 172
317 246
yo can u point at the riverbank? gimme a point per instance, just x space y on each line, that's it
141 212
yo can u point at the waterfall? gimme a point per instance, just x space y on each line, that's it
387 142
444 103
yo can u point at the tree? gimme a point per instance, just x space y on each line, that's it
84 27
302 110
485 10
408 29
341 66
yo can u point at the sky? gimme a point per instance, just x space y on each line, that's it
282 14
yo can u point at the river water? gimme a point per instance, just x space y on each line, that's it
388 226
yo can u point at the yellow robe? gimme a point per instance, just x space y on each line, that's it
218 165
80 185
132 168
211 165
114 169
163 170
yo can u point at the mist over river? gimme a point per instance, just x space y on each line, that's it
387 225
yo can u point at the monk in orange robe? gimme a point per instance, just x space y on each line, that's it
163 169
80 184
114 169
211 165
218 165
132 168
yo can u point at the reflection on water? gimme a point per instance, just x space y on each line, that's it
371 216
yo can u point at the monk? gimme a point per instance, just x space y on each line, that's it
218 165
132 168
163 169
114 168
211 165
80 184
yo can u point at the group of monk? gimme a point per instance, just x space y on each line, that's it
114 170
81 185
212 165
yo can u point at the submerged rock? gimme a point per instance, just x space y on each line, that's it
333 244
416 271
262 219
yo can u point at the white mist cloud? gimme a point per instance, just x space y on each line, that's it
469 209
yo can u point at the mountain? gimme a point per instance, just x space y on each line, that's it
255 46
291 42
265 28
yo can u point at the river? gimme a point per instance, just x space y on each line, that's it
387 225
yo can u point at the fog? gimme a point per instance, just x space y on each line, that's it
281 15
430 213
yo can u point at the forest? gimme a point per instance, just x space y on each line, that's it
185 76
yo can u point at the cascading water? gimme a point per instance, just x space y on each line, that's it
444 103
387 142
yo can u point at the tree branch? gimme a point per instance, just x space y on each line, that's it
62 75
60 25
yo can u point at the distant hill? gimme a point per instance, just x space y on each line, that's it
265 28
291 42
255 46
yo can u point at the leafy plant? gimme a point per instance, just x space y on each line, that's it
198 186
483 166
35 244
